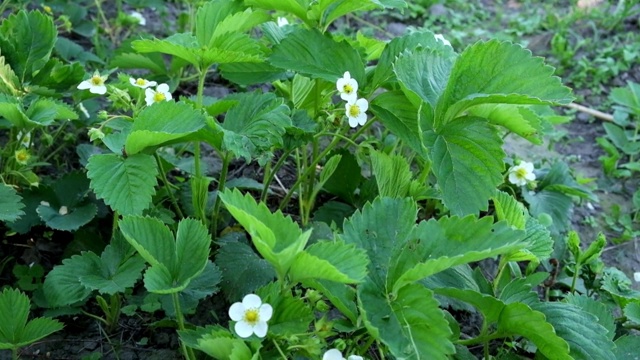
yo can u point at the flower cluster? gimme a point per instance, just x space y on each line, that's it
96 85
355 108
521 174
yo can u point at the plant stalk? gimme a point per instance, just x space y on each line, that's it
188 353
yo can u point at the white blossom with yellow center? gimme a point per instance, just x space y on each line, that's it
142 83
161 93
95 84
335 354
521 174
348 87
356 112
251 316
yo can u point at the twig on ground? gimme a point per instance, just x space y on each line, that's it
598 114
280 183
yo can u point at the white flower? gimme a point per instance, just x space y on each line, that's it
44 203
142 83
521 174
95 84
251 316
441 38
356 111
136 15
636 276
282 21
63 210
348 87
26 139
161 93
335 354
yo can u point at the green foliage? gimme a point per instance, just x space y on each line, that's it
170 272
15 330
10 204
125 183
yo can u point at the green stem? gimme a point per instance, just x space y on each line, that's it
308 171
279 350
196 144
480 339
14 353
576 270
272 174
188 352
226 161
166 182
114 225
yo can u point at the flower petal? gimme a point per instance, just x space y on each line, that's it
133 81
100 89
362 118
266 311
163 88
355 357
347 75
236 311
251 301
151 83
340 84
363 104
261 329
353 122
333 354
84 85
243 329
167 96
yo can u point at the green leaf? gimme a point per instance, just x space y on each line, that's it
56 77
587 339
342 296
452 241
392 173
184 46
33 35
319 56
467 161
151 61
232 48
627 347
9 83
255 125
517 119
632 312
62 285
250 73
243 271
125 184
384 69
162 123
399 115
276 237
559 206
291 315
411 325
296 7
510 210
498 72
520 319
426 71
151 238
12 110
540 243
222 346
621 139
210 16
346 178
370 229
108 281
15 331
45 111
201 286
10 204
596 308
67 221
170 272
335 261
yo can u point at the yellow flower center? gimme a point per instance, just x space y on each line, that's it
354 110
141 82
97 80
251 316
47 9
347 89
521 173
157 97
22 156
